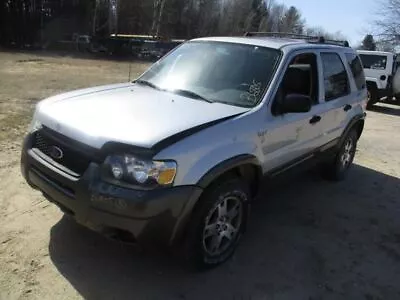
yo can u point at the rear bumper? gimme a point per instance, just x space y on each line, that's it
156 216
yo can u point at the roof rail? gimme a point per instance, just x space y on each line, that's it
308 38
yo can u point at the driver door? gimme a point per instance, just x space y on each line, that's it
290 138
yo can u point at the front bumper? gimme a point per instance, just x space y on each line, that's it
157 216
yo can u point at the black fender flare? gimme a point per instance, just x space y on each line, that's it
221 168
358 119
228 165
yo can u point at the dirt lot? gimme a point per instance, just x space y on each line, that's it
308 239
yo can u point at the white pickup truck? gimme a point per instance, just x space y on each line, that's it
383 80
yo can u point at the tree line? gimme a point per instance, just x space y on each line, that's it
25 22
29 21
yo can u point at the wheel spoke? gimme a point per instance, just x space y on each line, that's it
215 243
348 146
210 230
222 209
234 211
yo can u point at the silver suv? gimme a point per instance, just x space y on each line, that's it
175 157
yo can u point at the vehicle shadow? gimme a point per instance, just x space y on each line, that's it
307 239
388 109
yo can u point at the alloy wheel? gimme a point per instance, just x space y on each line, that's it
222 225
348 153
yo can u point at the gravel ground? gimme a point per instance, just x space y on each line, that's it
307 239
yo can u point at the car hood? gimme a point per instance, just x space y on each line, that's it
127 113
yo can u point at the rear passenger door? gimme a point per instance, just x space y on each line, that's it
337 95
357 77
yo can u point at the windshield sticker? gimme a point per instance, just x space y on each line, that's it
252 95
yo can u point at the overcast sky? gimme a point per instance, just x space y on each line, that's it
351 17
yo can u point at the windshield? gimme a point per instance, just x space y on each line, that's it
234 74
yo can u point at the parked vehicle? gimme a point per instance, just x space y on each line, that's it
83 43
155 49
379 68
175 157
396 81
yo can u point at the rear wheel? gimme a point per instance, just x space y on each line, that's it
338 167
217 224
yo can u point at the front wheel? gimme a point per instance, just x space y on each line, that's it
337 169
217 224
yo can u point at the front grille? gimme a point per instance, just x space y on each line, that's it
71 158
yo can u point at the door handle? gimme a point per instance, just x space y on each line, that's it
347 107
315 119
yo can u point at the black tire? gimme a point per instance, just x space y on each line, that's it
338 167
197 247
372 97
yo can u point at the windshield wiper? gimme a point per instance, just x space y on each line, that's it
191 95
147 83
178 91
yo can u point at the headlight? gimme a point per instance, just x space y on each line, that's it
127 169
35 126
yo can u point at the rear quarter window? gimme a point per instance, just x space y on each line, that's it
356 69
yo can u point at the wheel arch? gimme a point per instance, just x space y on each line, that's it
357 123
245 166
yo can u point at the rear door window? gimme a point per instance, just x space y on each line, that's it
336 82
356 69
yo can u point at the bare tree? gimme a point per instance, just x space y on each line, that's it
386 46
319 31
234 16
277 14
102 16
279 18
266 23
208 16
388 22
157 16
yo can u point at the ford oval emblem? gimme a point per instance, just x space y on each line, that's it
56 152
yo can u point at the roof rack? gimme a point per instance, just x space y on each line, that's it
308 38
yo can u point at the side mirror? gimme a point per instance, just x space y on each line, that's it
296 103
